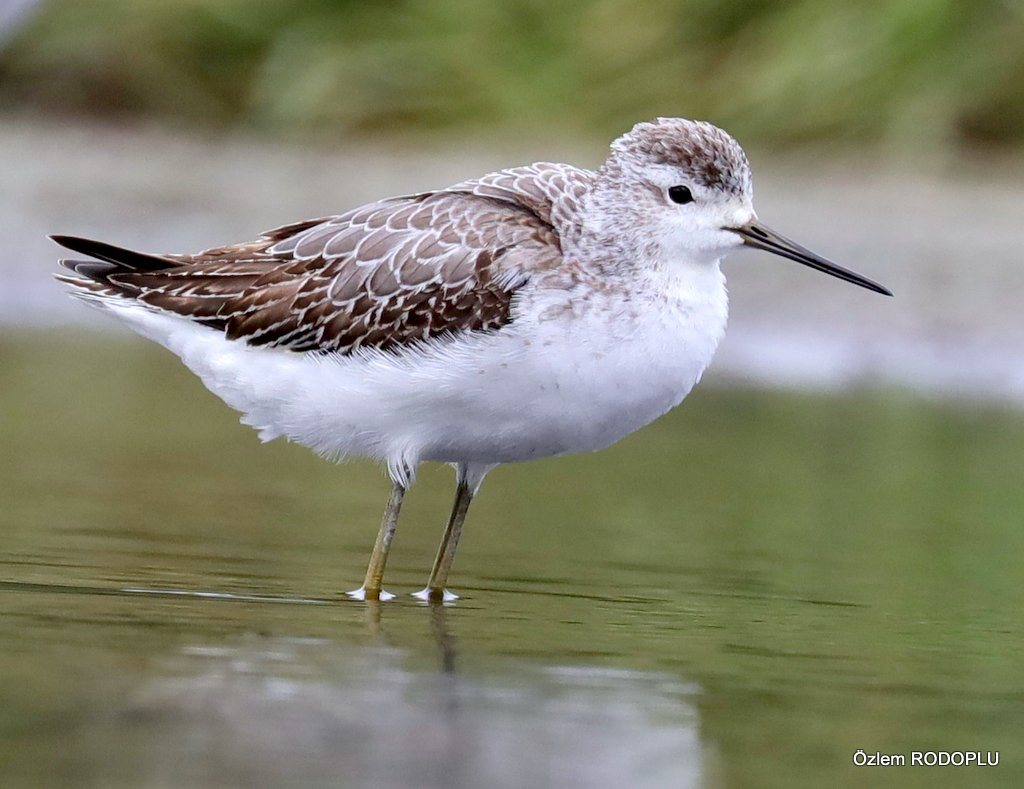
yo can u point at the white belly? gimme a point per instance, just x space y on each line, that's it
546 384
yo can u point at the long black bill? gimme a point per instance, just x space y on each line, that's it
758 236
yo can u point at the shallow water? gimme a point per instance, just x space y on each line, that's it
743 594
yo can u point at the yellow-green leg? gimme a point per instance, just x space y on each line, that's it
435 591
371 588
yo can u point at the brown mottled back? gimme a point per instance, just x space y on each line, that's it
383 275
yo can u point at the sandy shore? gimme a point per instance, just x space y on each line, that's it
948 242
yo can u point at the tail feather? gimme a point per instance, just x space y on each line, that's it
95 270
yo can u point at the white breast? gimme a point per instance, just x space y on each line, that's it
590 377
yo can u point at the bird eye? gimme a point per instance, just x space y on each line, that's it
680 194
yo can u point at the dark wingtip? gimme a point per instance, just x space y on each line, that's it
74 243
118 256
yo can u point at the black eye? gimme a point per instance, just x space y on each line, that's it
680 194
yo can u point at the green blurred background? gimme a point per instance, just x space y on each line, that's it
897 72
819 551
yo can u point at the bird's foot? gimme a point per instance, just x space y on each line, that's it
428 595
362 593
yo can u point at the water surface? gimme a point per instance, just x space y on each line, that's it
743 594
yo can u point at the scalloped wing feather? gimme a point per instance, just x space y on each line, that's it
382 275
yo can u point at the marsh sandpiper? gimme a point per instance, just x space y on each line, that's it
531 312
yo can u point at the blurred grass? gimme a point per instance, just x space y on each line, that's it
907 73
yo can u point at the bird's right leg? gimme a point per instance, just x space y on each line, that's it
371 588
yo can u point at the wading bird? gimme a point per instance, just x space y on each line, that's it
531 312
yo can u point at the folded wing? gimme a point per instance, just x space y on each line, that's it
380 276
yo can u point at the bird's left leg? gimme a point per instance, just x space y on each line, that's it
469 476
